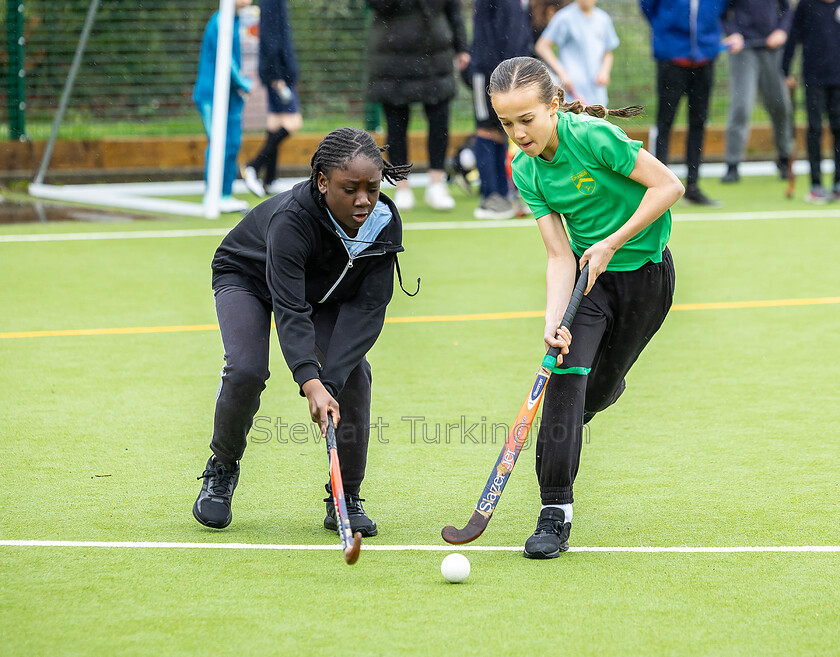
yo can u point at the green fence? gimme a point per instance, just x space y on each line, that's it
138 70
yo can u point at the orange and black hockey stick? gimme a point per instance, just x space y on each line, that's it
516 437
351 543
791 181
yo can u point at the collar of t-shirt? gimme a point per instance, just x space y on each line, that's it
378 219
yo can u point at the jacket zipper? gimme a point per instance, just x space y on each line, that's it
348 266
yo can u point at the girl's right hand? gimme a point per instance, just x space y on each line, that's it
557 337
321 403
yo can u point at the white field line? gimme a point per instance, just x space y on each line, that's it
410 226
413 548
116 235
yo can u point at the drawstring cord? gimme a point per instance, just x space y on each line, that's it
396 260
399 278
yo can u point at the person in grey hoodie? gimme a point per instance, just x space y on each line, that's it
758 67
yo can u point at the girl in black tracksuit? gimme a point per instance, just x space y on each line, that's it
321 257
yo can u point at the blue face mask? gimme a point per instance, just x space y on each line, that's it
378 219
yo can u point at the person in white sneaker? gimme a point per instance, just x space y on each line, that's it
430 34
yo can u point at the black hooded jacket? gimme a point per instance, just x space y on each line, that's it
288 253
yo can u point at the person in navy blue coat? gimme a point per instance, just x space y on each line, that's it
279 74
687 37
501 30
816 25
203 98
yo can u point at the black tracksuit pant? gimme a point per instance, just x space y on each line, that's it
820 99
437 115
613 325
673 82
245 324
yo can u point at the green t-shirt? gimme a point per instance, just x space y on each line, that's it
587 183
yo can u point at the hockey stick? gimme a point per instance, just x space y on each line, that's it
516 437
351 544
791 181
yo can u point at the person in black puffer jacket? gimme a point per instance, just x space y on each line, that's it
411 47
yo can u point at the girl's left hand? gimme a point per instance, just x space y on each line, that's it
598 256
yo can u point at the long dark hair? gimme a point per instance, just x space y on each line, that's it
519 72
340 146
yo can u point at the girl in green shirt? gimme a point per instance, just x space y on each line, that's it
581 174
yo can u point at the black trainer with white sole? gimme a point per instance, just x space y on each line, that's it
359 520
551 536
212 507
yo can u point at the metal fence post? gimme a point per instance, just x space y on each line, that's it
16 79
372 110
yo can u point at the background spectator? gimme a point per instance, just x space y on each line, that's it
816 24
411 47
541 12
278 73
203 97
764 25
501 30
585 38
686 36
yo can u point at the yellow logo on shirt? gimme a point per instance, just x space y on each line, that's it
584 182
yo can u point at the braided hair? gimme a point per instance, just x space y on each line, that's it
521 72
340 146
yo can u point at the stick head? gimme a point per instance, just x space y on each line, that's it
475 528
351 554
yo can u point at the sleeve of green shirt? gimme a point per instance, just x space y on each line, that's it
612 147
529 192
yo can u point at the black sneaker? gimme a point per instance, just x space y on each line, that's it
359 520
551 537
731 175
783 164
212 508
694 195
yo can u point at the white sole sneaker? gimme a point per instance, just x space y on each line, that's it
484 213
404 199
231 204
438 197
252 182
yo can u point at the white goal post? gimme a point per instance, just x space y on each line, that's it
218 132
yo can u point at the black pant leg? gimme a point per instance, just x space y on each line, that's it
245 325
560 435
833 102
814 103
641 301
353 432
671 82
353 435
396 119
438 136
615 322
699 93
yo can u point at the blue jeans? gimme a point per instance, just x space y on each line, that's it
233 140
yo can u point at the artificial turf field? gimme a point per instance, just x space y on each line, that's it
726 437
